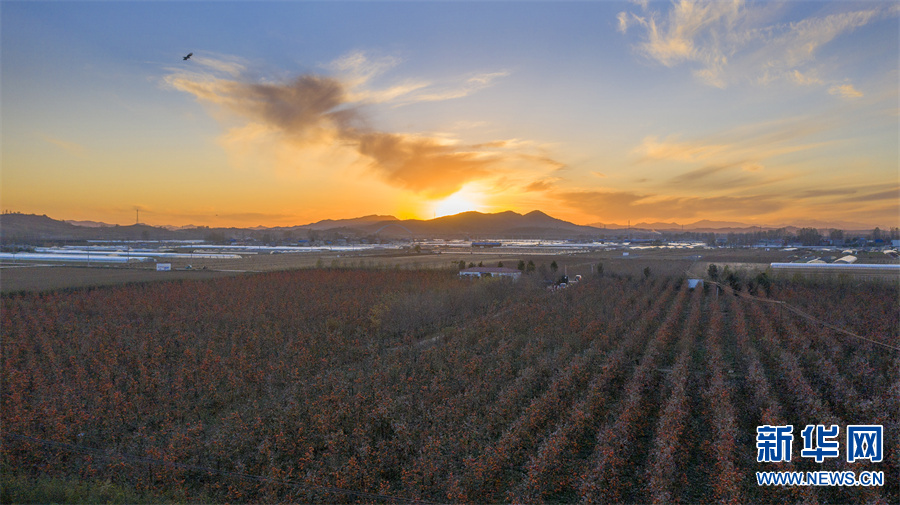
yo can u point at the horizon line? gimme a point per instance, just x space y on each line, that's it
714 224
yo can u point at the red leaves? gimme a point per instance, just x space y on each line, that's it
489 396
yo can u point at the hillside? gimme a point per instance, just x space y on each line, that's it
472 225
506 224
533 225
708 226
27 228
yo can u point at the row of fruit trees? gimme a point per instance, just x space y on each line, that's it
362 385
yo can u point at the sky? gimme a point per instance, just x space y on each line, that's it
287 113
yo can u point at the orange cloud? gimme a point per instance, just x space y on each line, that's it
625 205
315 112
421 164
845 90
743 157
886 194
544 185
872 203
670 149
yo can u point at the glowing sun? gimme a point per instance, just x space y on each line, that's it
453 204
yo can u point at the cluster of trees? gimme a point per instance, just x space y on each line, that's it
757 284
804 236
414 384
541 269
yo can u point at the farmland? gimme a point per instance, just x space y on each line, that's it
25 276
362 385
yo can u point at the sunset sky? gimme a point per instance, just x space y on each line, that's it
291 112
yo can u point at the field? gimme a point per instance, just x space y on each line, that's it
373 385
41 276
18 278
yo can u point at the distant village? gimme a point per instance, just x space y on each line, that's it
23 235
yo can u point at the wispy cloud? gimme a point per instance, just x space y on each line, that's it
805 79
892 193
627 205
696 176
746 153
775 203
751 159
820 193
736 157
624 20
315 111
854 193
221 63
358 69
460 89
845 90
544 185
674 150
72 148
731 42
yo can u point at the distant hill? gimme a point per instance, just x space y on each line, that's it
507 224
474 225
707 226
328 224
699 226
88 224
30 228
827 225
40 227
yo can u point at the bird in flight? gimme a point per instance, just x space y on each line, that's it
188 56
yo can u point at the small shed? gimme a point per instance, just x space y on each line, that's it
694 283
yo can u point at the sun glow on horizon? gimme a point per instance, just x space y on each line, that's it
454 204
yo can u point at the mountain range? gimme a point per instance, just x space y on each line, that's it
707 226
467 225
470 224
